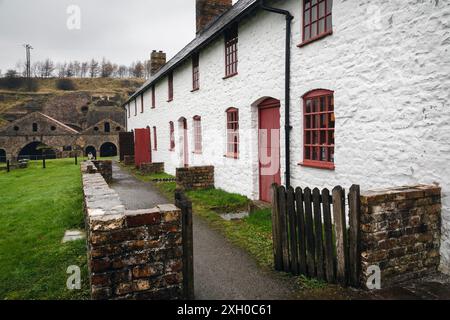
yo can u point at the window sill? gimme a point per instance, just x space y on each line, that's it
170 100
230 76
231 156
318 165
194 90
323 35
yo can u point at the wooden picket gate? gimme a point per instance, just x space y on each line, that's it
310 234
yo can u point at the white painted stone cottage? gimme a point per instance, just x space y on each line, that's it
369 91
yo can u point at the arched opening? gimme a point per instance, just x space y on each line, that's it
108 149
36 150
91 150
2 156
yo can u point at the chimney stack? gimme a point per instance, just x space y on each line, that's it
208 10
157 61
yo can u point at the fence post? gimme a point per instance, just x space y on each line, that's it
354 203
341 235
8 164
185 205
283 227
76 159
277 245
293 226
43 162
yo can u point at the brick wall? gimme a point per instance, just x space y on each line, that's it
132 255
151 168
400 232
194 178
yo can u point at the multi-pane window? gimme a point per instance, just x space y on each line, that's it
195 72
197 134
170 81
155 139
172 136
153 97
231 51
142 103
233 133
317 19
319 128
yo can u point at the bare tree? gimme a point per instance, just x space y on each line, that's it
106 69
70 70
122 71
61 69
84 69
93 68
77 68
47 68
138 70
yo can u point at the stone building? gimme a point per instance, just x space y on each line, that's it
366 101
24 137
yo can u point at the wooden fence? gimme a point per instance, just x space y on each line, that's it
185 205
310 233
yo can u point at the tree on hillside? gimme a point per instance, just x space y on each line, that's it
93 68
47 68
84 69
137 70
122 71
106 69
77 69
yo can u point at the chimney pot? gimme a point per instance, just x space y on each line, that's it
208 10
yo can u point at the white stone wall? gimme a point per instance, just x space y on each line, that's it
388 63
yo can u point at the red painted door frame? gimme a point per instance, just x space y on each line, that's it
142 146
185 144
268 119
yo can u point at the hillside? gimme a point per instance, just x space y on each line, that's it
17 103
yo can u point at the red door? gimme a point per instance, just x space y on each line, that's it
269 147
142 146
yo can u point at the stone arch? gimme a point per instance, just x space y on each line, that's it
2 156
90 149
33 152
108 149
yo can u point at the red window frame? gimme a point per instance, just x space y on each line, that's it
231 52
155 140
319 129
170 85
317 20
195 72
153 97
198 143
172 136
233 133
142 103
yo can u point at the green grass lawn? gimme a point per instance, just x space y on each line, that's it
37 207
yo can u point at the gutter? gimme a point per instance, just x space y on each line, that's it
287 88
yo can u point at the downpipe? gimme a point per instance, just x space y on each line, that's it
287 126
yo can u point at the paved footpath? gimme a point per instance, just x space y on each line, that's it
222 271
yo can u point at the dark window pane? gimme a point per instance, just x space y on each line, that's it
307 153
322 104
308 137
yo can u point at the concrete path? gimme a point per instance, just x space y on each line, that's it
222 271
135 194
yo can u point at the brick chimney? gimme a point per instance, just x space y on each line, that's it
157 61
209 10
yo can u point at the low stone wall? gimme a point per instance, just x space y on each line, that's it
400 232
195 178
104 167
151 168
131 254
128 160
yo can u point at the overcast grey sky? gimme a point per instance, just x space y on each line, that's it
120 30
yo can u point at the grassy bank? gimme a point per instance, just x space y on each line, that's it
38 206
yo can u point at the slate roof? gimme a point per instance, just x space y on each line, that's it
215 29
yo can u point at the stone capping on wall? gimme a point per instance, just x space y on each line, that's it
104 167
400 232
131 254
195 178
